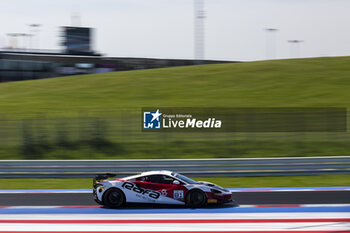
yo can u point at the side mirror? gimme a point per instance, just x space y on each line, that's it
176 182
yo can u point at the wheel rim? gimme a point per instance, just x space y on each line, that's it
115 198
197 198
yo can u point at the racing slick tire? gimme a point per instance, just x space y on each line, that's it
113 198
196 199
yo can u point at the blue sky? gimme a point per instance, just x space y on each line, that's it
234 29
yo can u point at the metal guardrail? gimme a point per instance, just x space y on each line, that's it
192 167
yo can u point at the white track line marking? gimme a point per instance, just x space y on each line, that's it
313 215
177 227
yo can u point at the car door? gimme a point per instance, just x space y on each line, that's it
174 191
170 193
137 190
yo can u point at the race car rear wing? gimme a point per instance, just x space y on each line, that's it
100 177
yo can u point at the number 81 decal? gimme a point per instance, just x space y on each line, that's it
178 194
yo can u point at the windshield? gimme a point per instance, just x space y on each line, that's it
186 179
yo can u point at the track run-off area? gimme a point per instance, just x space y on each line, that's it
315 210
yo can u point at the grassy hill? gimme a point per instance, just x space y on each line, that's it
49 115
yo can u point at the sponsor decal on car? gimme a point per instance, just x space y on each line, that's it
138 190
163 192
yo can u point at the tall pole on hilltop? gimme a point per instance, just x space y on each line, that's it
199 40
294 48
34 31
271 42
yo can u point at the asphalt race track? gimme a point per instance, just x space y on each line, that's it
243 198
261 210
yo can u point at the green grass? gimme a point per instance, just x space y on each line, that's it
228 182
50 183
58 107
300 82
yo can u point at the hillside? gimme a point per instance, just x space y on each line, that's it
98 116
300 82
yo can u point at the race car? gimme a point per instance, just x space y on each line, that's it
157 187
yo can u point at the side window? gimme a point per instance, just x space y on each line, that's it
168 180
156 179
143 178
159 179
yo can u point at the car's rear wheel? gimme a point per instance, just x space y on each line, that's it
113 198
196 198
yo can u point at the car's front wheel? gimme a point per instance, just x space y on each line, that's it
113 198
196 198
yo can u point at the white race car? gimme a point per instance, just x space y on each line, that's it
158 187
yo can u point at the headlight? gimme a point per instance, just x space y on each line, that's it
99 187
